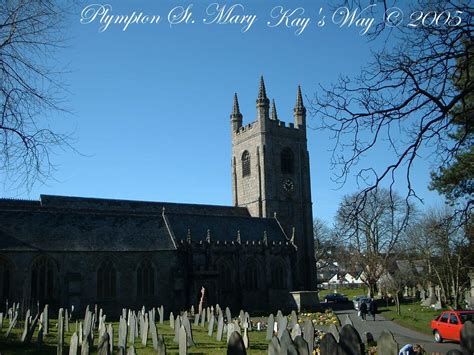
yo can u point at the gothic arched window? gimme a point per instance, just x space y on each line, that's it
43 277
106 281
278 276
225 277
145 279
287 161
5 271
251 276
245 164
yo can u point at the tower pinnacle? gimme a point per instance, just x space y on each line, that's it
263 104
236 116
299 112
273 114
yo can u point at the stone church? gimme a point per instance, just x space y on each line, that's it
68 251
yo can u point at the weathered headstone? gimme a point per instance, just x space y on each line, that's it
248 320
196 319
308 333
161 348
183 344
171 320
282 325
293 319
334 331
236 345
203 317
31 329
230 330
26 326
73 344
122 335
228 315
154 335
12 324
189 331
220 328
177 325
162 314
350 341
145 332
287 345
245 336
104 346
210 327
131 350
110 331
295 331
85 347
60 332
270 324
66 321
302 346
274 347
46 319
329 345
347 320
386 344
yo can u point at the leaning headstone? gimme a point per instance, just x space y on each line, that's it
171 320
73 344
386 344
301 345
270 322
31 330
274 347
26 326
189 331
236 345
467 337
210 327
308 334
329 345
334 331
12 324
104 346
161 348
350 341
287 345
220 328
183 344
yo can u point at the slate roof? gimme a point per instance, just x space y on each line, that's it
224 228
57 223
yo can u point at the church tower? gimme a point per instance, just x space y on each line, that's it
271 175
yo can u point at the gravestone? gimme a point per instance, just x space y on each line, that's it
329 345
1 320
39 339
203 317
279 315
347 320
161 348
31 330
66 321
386 344
308 333
210 327
45 319
73 344
293 319
132 330
282 324
154 335
192 310
467 337
60 332
85 348
228 315
171 320
220 328
183 344
274 347
104 346
245 337
350 341
131 350
302 346
110 330
236 345
145 332
287 345
334 331
270 325
162 314
80 333
295 331
177 325
189 331
230 330
26 326
247 319
237 327
196 319
12 324
122 335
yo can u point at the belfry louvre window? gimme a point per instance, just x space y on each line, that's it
287 161
246 164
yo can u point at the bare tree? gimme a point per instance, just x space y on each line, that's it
402 102
30 89
323 241
373 232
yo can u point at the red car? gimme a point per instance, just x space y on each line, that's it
448 325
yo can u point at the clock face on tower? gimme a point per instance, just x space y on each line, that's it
288 185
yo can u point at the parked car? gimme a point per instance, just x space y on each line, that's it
358 300
448 325
336 297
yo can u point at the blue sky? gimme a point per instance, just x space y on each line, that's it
151 104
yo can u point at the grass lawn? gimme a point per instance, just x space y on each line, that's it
413 316
204 343
349 292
